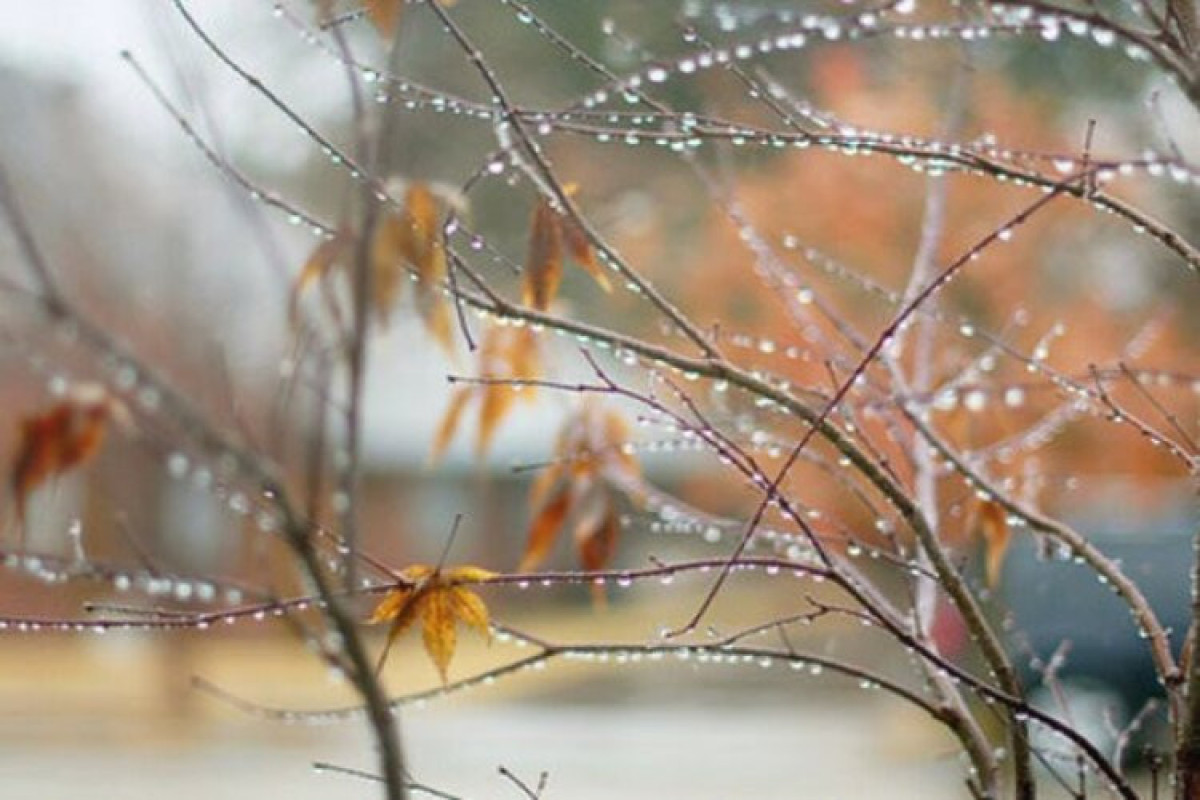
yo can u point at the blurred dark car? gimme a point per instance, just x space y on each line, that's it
1106 676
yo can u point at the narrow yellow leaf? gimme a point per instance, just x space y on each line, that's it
319 264
496 402
524 358
450 421
596 543
417 573
421 215
543 483
467 574
581 250
388 263
438 629
470 610
435 311
390 606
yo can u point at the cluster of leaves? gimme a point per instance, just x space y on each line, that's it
590 458
406 242
509 357
592 465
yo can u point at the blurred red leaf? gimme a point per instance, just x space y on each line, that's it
53 442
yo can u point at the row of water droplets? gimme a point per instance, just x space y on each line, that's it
143 394
547 121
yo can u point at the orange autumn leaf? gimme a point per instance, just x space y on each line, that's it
523 357
494 405
405 242
551 235
617 436
418 246
993 524
323 260
435 311
597 542
591 465
543 264
59 439
450 420
388 251
335 256
439 600
506 355
544 531
543 483
580 248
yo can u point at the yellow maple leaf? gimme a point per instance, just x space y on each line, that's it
440 599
